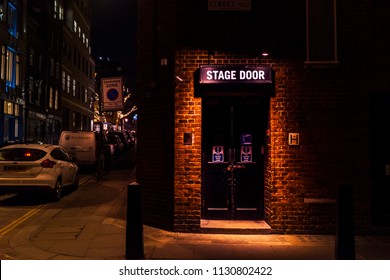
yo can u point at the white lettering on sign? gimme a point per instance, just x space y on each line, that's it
252 75
221 75
232 75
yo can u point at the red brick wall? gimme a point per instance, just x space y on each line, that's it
327 109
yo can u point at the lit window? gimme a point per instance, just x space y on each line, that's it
51 97
8 108
75 26
16 110
3 57
55 8
58 11
16 128
61 12
63 80
74 87
68 83
10 68
56 100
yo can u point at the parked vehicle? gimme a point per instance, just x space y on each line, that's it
89 148
28 167
124 138
130 136
115 144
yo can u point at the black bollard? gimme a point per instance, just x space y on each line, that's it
134 225
345 235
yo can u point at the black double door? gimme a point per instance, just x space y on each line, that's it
233 146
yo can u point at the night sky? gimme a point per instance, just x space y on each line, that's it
113 33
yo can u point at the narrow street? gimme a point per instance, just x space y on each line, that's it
56 223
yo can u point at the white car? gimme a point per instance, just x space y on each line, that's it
27 167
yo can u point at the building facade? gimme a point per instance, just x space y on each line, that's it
43 63
12 73
47 71
78 67
227 133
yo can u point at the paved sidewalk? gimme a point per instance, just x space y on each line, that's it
81 228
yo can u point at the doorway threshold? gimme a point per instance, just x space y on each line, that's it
235 226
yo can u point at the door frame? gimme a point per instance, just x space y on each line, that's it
262 103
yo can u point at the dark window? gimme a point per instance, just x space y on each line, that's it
21 154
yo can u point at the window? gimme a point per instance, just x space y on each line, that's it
17 70
21 154
63 80
85 95
12 19
55 9
31 56
3 57
40 95
68 83
58 10
16 110
10 68
40 62
16 127
74 87
52 65
61 13
321 32
51 97
57 70
56 100
8 108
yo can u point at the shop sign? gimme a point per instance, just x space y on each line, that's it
235 74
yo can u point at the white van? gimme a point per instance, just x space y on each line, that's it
86 146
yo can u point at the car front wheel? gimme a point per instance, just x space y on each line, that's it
57 191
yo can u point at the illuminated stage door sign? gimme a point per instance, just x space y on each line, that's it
112 94
235 74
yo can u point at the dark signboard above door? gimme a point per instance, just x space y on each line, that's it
235 74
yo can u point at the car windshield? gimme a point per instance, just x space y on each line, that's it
21 154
